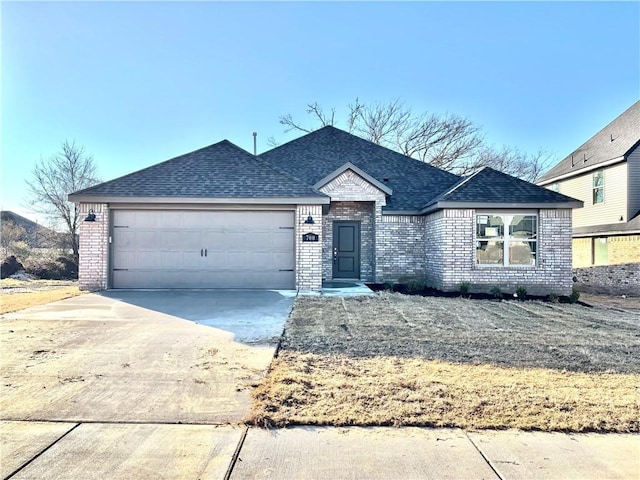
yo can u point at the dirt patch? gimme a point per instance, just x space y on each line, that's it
404 360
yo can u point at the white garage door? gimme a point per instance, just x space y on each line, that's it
202 249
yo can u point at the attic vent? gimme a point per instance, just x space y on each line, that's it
584 159
385 180
572 164
611 137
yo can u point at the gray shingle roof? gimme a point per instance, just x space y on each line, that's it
224 171
491 186
314 156
615 140
221 170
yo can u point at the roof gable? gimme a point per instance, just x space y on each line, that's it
497 189
315 156
221 170
615 141
350 166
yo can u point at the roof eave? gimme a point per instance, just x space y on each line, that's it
500 205
308 200
546 181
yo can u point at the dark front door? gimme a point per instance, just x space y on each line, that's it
346 249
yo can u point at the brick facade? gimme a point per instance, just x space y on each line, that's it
93 269
400 248
450 255
353 199
309 254
362 212
621 249
438 249
610 279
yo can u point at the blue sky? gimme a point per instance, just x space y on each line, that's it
139 83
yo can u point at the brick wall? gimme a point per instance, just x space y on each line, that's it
621 249
400 248
624 249
309 254
353 199
450 255
93 269
351 211
610 279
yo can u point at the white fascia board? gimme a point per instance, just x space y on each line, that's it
577 173
493 206
201 200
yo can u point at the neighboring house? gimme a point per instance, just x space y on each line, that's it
326 206
605 174
36 236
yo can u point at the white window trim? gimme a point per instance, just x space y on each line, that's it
506 238
593 187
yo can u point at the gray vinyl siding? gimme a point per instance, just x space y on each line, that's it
633 170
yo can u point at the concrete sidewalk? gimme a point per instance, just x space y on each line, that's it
47 450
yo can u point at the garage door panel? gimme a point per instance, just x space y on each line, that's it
165 249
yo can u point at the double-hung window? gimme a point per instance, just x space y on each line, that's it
598 187
506 239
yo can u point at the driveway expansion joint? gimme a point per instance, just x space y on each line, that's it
484 457
39 454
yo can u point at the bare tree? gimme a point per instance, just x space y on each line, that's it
13 239
65 172
449 142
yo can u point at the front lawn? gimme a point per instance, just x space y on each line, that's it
403 360
20 294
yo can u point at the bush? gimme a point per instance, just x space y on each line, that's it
414 287
496 292
10 265
575 295
553 298
521 293
47 268
464 288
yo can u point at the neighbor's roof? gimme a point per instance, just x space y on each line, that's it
222 170
615 141
491 188
316 155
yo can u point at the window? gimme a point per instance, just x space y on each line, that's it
515 234
598 187
600 251
555 187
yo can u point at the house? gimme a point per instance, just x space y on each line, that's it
326 206
604 173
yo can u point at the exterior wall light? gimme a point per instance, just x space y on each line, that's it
309 220
91 217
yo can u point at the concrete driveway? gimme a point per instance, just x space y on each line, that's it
139 356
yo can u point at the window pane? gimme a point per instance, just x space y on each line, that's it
600 251
522 253
598 195
598 179
523 226
490 252
489 226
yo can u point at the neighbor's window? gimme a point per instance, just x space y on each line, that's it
598 187
515 234
555 187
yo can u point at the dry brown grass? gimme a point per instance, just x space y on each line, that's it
398 360
17 294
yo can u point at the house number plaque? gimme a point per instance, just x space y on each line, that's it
310 237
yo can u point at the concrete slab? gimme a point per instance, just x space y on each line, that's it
138 451
252 316
536 455
22 441
356 453
100 359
